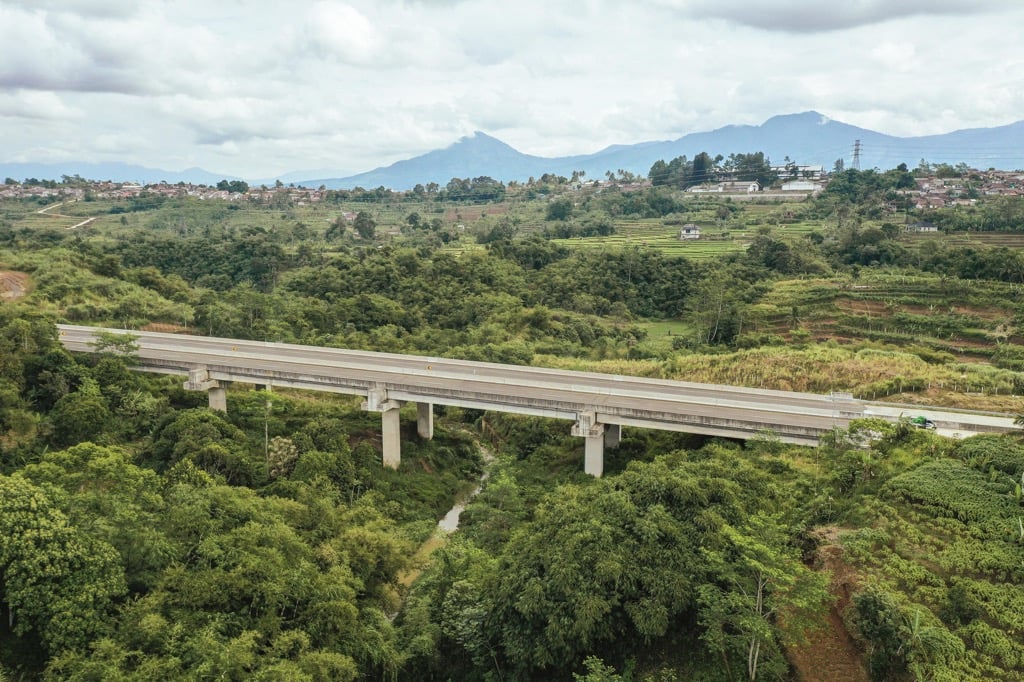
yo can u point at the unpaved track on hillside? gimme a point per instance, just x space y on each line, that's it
830 653
46 212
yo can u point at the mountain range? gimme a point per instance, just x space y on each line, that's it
113 171
807 138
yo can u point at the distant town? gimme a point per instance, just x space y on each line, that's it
933 190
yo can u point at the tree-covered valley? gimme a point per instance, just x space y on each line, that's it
145 536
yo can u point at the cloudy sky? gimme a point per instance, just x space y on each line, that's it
259 88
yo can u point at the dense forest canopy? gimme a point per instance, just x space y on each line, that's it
143 535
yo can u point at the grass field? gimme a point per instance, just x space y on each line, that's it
662 333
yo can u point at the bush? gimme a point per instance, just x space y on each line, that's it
986 452
876 617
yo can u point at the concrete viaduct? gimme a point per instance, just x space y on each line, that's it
599 405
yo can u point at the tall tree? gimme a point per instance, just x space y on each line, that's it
365 225
761 590
56 581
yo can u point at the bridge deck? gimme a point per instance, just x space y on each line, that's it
589 398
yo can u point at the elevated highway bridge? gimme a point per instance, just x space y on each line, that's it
599 405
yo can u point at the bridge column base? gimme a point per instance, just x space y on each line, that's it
391 434
218 398
425 420
593 455
593 435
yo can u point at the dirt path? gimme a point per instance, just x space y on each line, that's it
13 285
46 212
82 224
831 654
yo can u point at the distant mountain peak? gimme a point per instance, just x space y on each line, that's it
480 138
808 137
803 118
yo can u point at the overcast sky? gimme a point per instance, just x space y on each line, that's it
258 88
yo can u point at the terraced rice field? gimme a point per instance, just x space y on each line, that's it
1006 239
669 245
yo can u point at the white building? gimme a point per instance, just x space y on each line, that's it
729 187
801 186
689 231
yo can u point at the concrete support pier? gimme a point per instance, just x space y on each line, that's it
218 398
425 420
593 455
391 441
391 437
199 380
593 435
612 435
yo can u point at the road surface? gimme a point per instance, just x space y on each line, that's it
601 398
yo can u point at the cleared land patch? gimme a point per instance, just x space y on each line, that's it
13 285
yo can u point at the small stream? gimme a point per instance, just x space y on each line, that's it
446 526
450 522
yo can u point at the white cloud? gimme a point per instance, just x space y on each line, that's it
262 87
28 104
120 143
811 16
337 30
105 9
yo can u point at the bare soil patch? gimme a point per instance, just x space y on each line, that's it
165 328
831 654
13 285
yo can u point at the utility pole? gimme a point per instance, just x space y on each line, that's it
856 155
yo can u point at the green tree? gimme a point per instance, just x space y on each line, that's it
717 307
559 209
877 618
81 415
206 439
659 173
613 564
413 220
759 583
336 230
57 582
234 186
705 168
753 166
365 225
116 501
